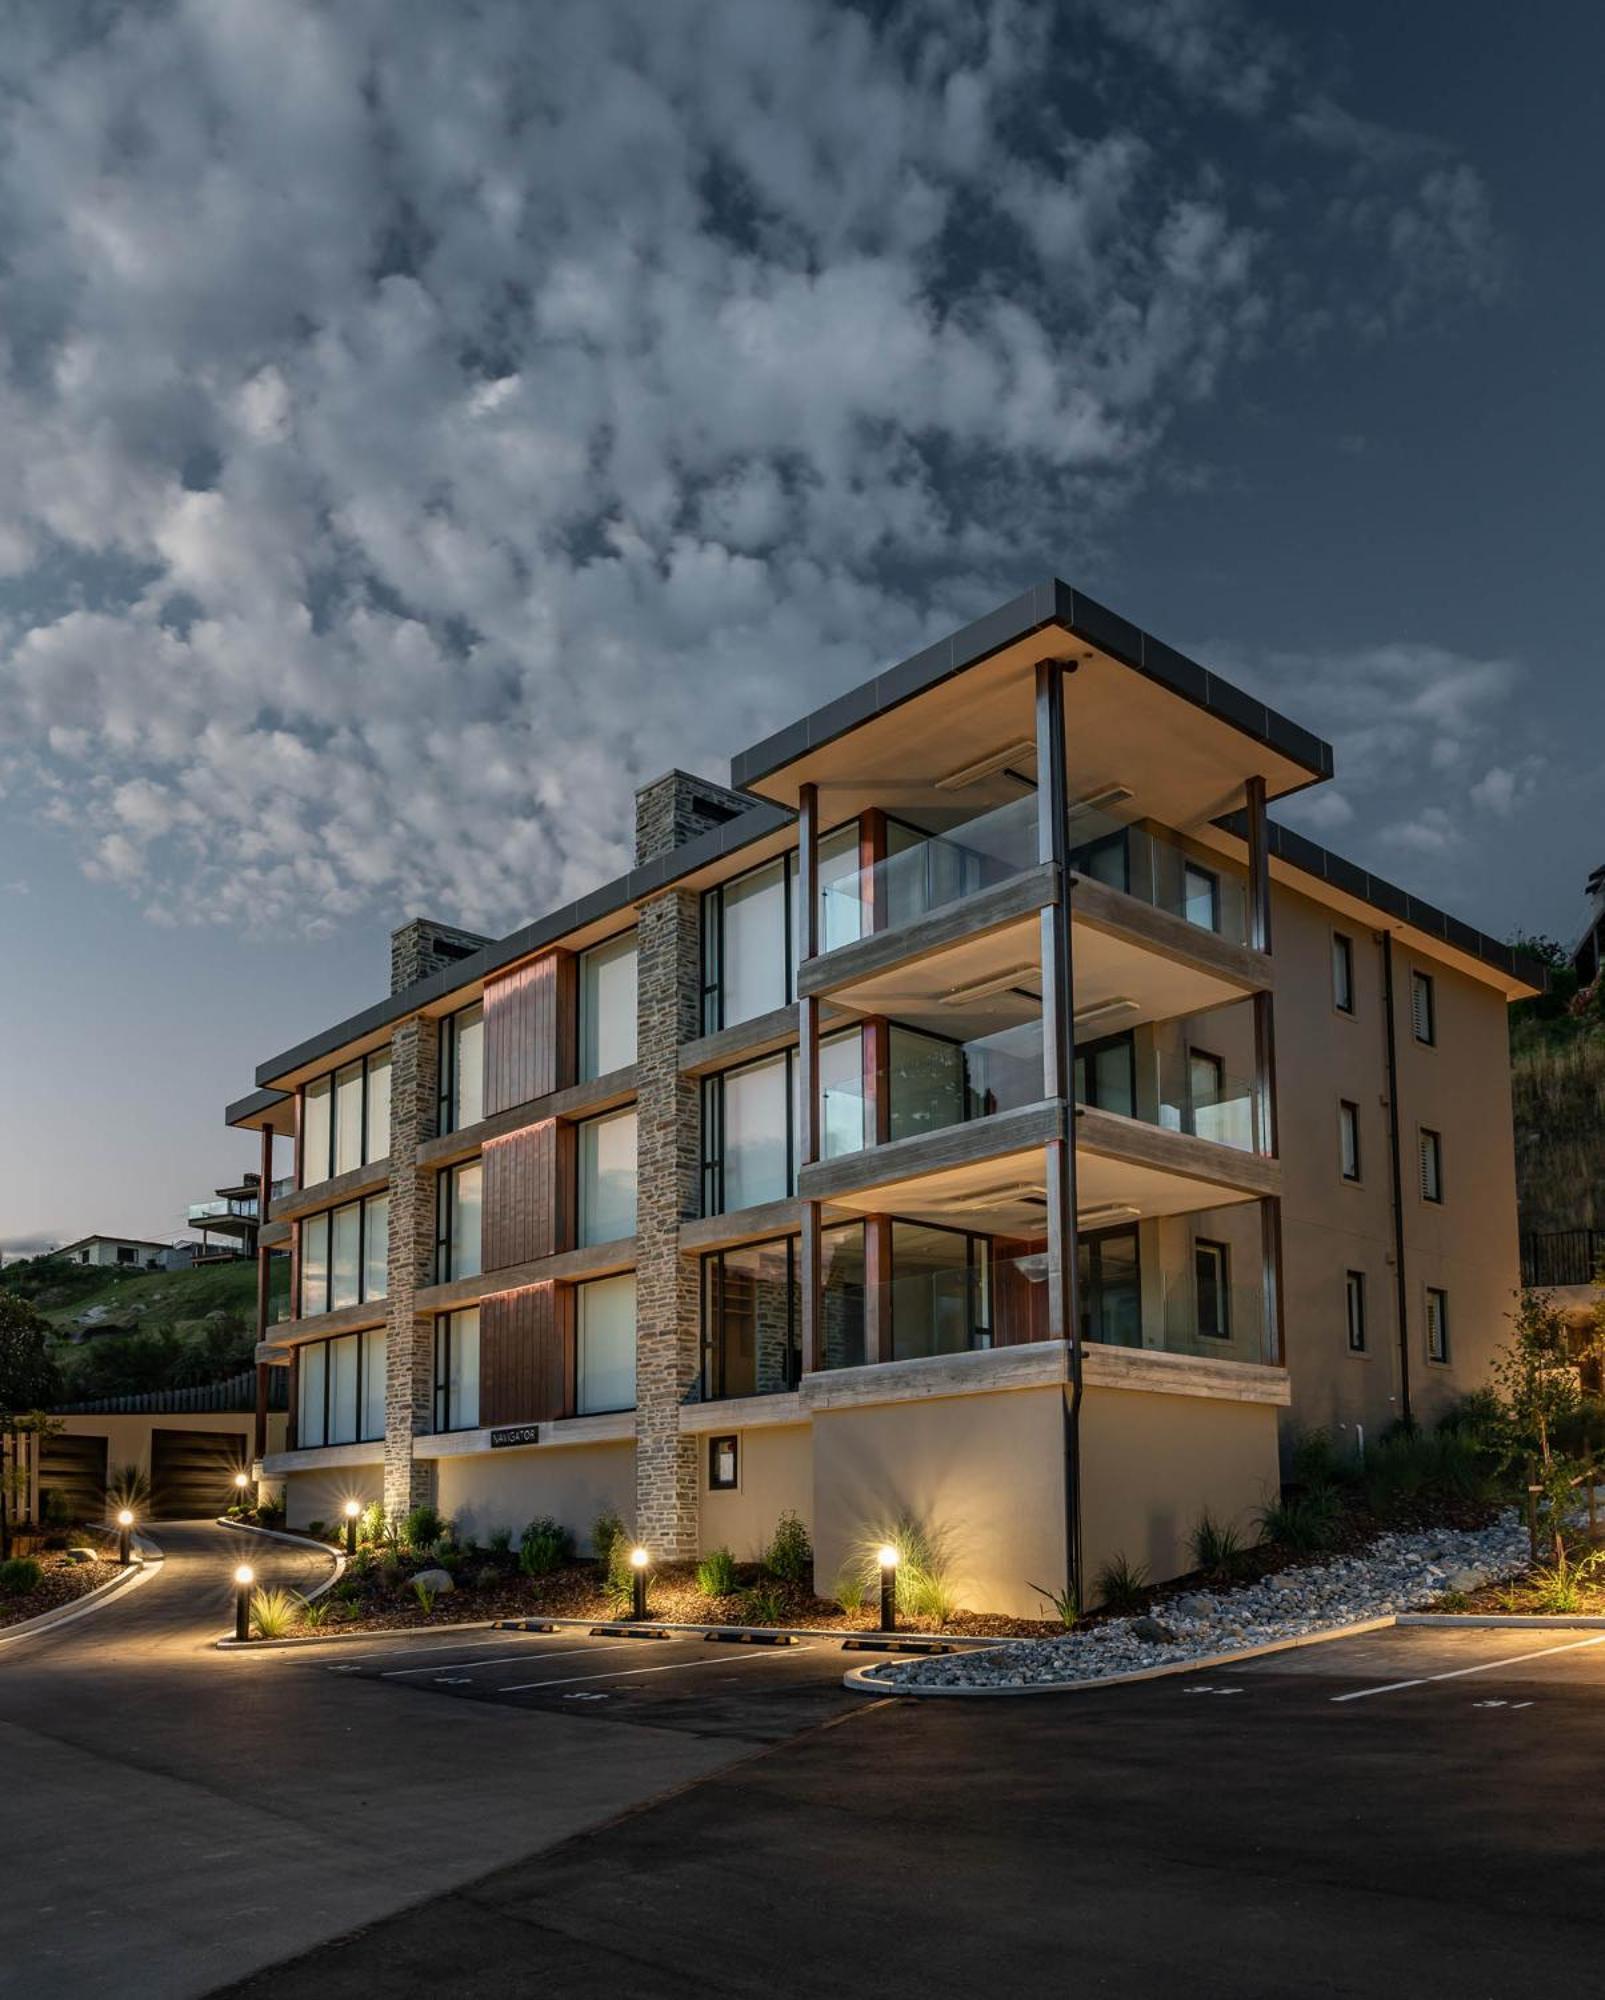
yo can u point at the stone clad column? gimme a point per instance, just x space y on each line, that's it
409 1337
667 1319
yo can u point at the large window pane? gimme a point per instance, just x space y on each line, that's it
457 1382
842 1296
373 1383
468 1067
348 1130
463 1221
345 1271
343 1356
840 909
607 1007
607 1178
841 1090
750 1321
756 1166
934 1299
754 959
927 1083
605 1337
316 1101
376 1247
309 1404
378 1147
315 1265
1111 1288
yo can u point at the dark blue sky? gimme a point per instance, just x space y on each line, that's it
424 431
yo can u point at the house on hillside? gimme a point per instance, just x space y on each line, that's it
127 1253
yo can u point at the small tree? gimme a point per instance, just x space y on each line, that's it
28 1378
1540 1394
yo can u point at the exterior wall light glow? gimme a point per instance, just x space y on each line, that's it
638 1563
241 1481
244 1577
125 1536
886 1556
353 1510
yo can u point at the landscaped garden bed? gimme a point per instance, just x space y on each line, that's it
37 1579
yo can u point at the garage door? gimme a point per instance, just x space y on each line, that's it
192 1473
74 1467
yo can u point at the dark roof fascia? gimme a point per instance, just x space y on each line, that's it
249 1107
1045 604
1299 851
659 873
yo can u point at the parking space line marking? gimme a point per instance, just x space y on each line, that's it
463 1666
678 1667
1458 1673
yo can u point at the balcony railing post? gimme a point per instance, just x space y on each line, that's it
808 1149
1265 1132
1058 1063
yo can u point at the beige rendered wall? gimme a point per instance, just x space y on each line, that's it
775 1474
485 1490
321 1495
1460 1087
1151 1464
981 1473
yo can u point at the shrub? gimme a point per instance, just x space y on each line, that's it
1121 1586
371 1522
270 1513
19 1575
922 1567
273 1613
850 1589
762 1605
1217 1548
606 1531
618 1579
1558 1586
1303 1522
424 1594
1315 1460
315 1614
501 1541
423 1528
55 1512
545 1544
318 1530
790 1556
348 1590
716 1574
1066 1604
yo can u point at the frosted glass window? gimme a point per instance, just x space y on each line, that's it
348 1118
756 1155
345 1275
754 944
373 1382
378 1147
314 1265
605 1338
316 1130
607 1155
309 1408
343 1358
463 1220
376 1247
607 1007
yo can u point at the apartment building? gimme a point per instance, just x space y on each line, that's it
980 1109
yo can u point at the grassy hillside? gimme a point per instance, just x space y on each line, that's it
173 1328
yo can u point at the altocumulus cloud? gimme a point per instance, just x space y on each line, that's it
424 423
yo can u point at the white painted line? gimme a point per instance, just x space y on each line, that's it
1459 1673
681 1667
465 1666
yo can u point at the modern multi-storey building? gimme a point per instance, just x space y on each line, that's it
980 1110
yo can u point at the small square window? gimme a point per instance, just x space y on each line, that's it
1423 1008
1342 973
1354 1289
723 1465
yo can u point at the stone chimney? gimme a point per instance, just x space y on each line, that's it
422 946
677 807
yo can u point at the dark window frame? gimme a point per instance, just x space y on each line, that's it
361 1204
446 1067
1424 987
1343 948
981 1335
1082 1063
1349 1120
711 1159
1093 1241
1354 1311
329 1341
1218 1065
1429 1146
1189 868
445 1326
717 1483
444 1182
1220 1254
366 1061
1441 1358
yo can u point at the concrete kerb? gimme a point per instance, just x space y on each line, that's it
958 1644
1496 1621
871 1680
296 1541
149 1564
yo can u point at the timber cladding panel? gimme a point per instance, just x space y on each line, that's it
528 1195
526 1355
529 1031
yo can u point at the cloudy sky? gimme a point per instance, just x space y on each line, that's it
422 424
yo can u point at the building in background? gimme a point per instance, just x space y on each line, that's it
125 1253
233 1213
980 1110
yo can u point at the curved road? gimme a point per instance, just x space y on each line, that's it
182 1817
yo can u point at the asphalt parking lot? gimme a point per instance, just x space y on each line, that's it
713 1688
1416 1811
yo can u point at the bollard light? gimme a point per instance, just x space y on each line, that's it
353 1514
125 1536
244 1577
241 1481
638 1563
886 1556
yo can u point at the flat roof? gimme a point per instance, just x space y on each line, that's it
1052 603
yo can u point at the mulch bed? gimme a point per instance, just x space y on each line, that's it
63 1581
